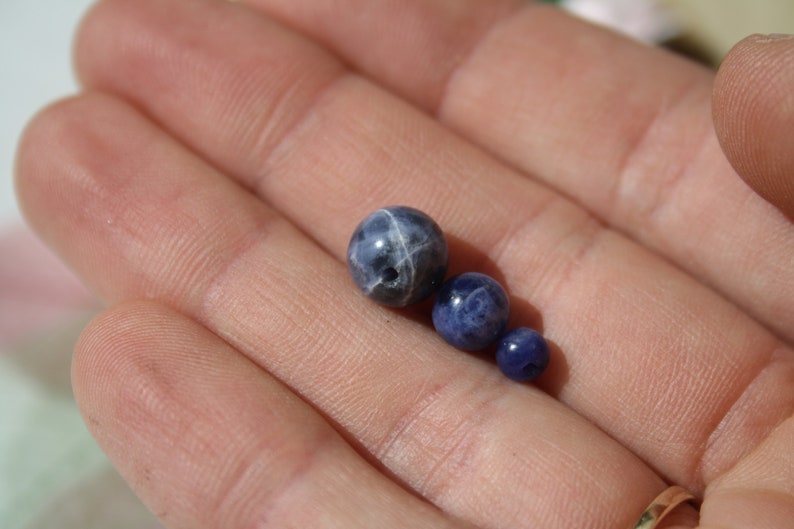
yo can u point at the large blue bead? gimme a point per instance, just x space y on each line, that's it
471 311
522 354
397 256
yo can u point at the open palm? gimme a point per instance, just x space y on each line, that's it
205 184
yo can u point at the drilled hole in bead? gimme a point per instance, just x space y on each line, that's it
388 275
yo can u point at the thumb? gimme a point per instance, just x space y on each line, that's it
754 115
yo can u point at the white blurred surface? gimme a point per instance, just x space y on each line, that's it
35 68
645 20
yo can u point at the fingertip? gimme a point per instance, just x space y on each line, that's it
60 154
106 27
753 106
39 144
80 49
108 349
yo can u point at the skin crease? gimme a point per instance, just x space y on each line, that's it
217 162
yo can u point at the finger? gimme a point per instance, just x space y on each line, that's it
140 216
208 440
754 115
623 129
625 320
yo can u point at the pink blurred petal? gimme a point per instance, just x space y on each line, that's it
37 291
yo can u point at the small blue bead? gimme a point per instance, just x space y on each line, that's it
397 256
471 311
522 354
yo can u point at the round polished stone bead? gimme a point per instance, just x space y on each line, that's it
471 311
522 354
397 256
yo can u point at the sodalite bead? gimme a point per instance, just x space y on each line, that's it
397 256
522 354
471 311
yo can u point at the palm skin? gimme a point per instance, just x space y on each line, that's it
206 181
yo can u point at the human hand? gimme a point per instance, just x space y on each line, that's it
205 184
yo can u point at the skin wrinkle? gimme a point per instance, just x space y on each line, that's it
697 477
268 145
461 441
257 235
322 97
436 108
590 232
463 444
268 127
718 435
426 397
233 502
659 202
763 480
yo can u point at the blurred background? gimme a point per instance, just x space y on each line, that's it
51 472
34 68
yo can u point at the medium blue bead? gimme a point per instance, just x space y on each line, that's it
471 311
397 256
522 354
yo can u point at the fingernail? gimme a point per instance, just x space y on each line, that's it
773 37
